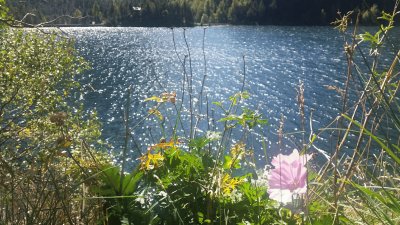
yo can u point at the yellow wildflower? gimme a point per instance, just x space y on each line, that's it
151 161
164 145
228 184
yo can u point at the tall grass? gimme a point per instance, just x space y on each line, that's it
362 187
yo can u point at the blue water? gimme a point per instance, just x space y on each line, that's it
276 60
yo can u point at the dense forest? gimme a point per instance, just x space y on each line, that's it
190 12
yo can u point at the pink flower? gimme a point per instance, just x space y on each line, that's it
289 177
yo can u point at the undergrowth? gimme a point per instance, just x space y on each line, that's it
53 169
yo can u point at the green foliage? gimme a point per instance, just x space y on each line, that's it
37 75
248 119
199 143
200 186
43 137
120 194
189 12
3 13
190 189
49 172
113 185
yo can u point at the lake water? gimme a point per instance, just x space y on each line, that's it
276 60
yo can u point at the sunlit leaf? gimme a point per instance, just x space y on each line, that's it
154 98
156 112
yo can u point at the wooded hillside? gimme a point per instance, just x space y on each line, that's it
189 12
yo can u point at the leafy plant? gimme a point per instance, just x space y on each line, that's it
42 133
199 186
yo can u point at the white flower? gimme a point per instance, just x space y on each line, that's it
213 135
163 194
236 196
245 222
262 177
141 198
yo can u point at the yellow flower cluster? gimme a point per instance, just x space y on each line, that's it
151 161
228 184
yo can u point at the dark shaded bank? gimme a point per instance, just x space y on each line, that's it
190 12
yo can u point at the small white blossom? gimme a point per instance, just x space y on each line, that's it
140 199
245 222
236 196
163 194
213 135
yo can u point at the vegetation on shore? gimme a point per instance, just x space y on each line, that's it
189 12
54 168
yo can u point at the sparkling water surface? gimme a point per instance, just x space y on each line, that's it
150 60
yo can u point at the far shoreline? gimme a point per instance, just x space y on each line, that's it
193 26
196 24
